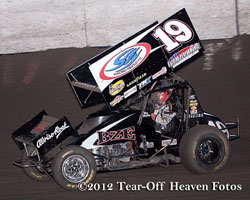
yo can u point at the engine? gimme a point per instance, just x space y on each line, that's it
113 156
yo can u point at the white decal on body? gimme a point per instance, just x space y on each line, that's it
96 67
184 55
130 92
89 142
57 132
220 126
159 73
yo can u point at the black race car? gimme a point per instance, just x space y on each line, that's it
151 116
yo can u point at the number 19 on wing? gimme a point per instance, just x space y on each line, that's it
173 34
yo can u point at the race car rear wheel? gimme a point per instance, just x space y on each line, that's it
73 165
204 149
35 173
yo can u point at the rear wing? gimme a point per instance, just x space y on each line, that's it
42 132
120 72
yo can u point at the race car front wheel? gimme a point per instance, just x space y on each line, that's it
35 173
73 165
204 149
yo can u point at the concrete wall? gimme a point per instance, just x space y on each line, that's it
244 16
31 25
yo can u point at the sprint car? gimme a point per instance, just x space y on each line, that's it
150 116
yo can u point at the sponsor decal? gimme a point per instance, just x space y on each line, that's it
159 73
147 145
116 135
57 132
125 61
193 112
184 55
85 85
35 175
220 126
192 97
144 82
146 114
196 115
67 153
41 127
193 103
137 79
90 177
72 186
116 100
114 89
168 142
130 92
193 108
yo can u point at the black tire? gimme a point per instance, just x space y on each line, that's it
81 160
204 149
34 172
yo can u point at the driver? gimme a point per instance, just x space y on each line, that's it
161 109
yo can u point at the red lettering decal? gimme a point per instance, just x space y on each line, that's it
124 134
129 133
103 137
120 135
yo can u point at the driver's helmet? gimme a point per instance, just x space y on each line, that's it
160 98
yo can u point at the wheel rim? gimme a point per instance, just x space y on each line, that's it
75 169
209 151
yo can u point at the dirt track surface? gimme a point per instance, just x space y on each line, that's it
35 81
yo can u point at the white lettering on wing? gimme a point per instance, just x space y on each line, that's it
57 132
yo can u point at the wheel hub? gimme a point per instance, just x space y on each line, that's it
208 151
75 168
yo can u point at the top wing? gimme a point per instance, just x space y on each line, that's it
135 63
